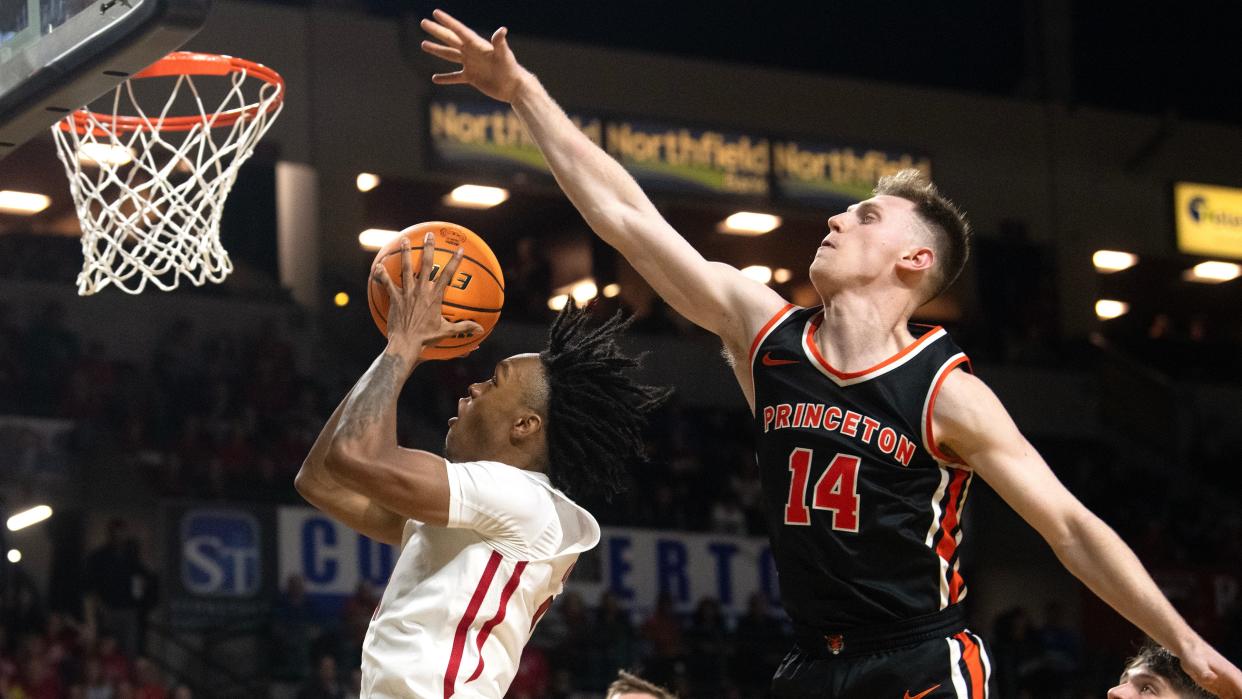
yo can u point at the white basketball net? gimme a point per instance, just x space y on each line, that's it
157 217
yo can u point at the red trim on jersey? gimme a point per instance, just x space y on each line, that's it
467 619
931 410
754 345
844 375
946 548
539 613
973 664
492 623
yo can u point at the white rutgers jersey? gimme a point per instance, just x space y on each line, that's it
463 600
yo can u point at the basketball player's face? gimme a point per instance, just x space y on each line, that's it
863 244
483 426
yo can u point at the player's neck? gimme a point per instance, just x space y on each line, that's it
860 331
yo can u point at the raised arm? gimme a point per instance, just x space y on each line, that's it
970 423
356 471
315 483
712 295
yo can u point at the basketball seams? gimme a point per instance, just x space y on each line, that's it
469 258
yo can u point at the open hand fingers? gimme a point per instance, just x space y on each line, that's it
441 51
406 265
449 271
439 31
380 274
466 34
454 78
427 266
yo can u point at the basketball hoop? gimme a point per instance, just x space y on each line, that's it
149 188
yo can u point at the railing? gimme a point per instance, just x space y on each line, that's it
202 671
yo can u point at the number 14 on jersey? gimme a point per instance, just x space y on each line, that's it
836 491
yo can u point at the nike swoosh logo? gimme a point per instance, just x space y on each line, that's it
921 694
769 360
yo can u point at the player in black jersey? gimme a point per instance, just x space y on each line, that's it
868 433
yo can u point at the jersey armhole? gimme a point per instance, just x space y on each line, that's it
767 330
929 407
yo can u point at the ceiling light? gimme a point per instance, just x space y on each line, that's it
748 223
341 299
612 290
15 556
1108 309
375 238
1212 272
24 203
1107 261
782 275
759 273
584 291
366 181
25 518
473 196
97 154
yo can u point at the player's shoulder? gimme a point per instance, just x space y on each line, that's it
966 402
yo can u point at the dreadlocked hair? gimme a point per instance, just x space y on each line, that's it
596 413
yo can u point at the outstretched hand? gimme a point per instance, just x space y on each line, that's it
414 319
487 65
1213 672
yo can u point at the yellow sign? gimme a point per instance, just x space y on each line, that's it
1209 219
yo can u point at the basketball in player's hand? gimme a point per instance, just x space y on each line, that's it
476 292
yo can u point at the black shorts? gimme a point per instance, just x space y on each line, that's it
953 663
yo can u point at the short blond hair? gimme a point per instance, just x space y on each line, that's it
948 225
627 683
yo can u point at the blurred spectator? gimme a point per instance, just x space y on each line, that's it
533 676
39 680
707 647
324 685
289 639
1015 652
759 643
663 632
116 667
121 588
94 685
614 640
147 684
727 515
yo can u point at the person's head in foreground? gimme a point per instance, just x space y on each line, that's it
907 236
628 686
570 411
1155 672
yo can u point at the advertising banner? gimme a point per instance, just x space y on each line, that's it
489 136
675 158
219 564
1208 219
636 565
834 175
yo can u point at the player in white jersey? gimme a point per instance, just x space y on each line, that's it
487 532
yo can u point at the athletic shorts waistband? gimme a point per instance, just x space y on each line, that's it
865 640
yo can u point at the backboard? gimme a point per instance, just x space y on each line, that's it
58 55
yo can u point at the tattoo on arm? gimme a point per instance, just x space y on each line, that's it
375 398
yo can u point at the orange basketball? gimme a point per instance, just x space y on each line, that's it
477 292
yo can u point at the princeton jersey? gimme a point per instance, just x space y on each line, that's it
863 508
463 599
